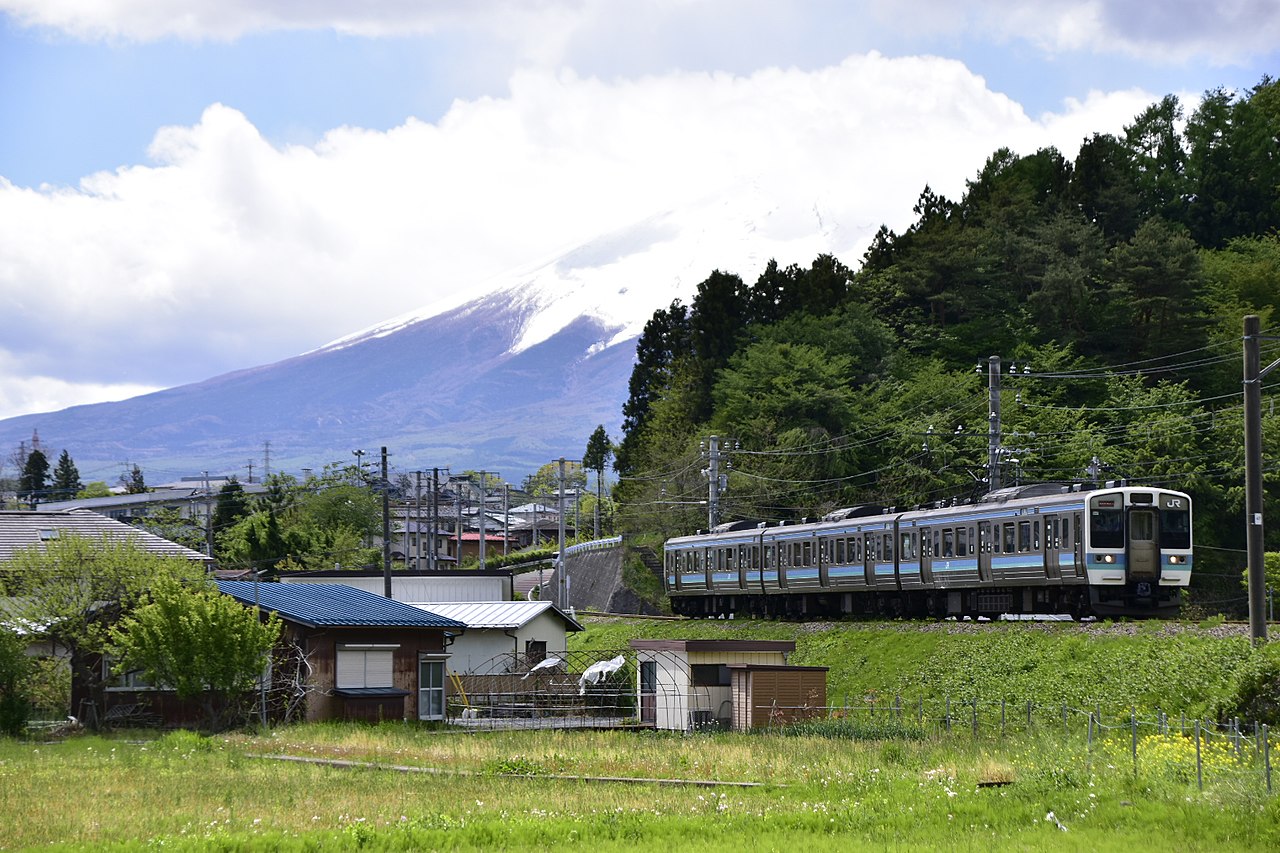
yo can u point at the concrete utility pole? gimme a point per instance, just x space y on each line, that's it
483 516
432 562
506 517
1253 476
457 563
561 571
993 423
713 482
417 519
386 528
208 515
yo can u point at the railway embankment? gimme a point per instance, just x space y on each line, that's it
1203 670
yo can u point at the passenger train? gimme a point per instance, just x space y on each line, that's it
1117 550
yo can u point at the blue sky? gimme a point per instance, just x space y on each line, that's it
197 186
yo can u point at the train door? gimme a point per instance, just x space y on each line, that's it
1143 551
926 557
984 552
869 558
1077 544
1049 547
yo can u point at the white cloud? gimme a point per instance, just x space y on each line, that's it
545 32
25 394
228 251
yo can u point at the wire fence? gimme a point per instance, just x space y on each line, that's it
1192 747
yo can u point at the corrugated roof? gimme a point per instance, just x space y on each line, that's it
496 614
21 529
334 605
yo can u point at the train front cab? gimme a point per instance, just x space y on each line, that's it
1137 551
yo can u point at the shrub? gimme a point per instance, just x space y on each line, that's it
15 668
1256 696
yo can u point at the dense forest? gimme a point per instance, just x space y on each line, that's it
1112 288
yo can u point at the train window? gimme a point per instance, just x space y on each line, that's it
888 547
1175 528
948 543
907 549
806 554
962 541
768 556
1141 527
1009 546
1035 535
839 555
754 559
1024 536
1066 533
1106 528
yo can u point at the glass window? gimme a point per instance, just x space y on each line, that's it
1024 536
1175 528
907 549
962 541
948 543
1142 527
1009 546
840 552
431 689
709 675
1106 528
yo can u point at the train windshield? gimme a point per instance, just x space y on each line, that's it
1106 527
1175 528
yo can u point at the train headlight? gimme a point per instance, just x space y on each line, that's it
1108 558
1176 559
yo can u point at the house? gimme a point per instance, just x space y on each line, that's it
370 657
441 585
344 654
503 636
690 684
22 529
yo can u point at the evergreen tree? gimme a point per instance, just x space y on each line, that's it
133 482
33 483
232 505
66 478
595 458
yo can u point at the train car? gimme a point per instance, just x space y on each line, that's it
1043 549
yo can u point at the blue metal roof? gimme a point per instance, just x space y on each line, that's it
333 605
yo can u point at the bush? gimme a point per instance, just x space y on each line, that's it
1256 696
15 670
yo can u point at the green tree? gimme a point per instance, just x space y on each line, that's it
15 673
66 478
77 587
134 483
95 489
546 480
205 645
232 505
595 458
169 523
33 482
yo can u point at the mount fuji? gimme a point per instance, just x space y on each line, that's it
504 376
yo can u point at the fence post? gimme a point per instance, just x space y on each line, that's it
1184 723
897 707
1266 755
1133 725
1199 765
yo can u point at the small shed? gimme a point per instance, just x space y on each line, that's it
503 636
764 695
686 684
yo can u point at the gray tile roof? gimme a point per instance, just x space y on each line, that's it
22 529
333 605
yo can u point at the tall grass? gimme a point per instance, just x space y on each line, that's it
507 791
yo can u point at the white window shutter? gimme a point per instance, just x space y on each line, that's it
350 669
378 669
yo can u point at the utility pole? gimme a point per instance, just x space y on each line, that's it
432 562
417 519
993 423
712 473
266 460
208 515
506 517
484 520
386 528
457 490
560 567
250 467
1253 477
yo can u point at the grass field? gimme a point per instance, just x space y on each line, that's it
511 791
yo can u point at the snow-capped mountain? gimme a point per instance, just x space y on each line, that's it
505 376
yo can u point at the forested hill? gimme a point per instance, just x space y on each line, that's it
1116 283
